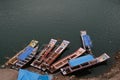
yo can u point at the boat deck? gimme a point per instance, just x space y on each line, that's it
54 55
20 63
68 69
86 41
15 59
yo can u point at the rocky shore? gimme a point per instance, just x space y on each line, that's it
112 74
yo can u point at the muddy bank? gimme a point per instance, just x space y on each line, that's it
8 74
112 74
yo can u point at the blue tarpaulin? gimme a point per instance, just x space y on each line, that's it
26 53
80 60
27 75
87 40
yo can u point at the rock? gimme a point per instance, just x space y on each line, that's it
3 66
73 76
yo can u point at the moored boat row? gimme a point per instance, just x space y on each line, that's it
85 61
45 60
54 55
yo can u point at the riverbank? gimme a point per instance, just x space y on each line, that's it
8 74
112 74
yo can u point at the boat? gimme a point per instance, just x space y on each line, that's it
54 55
43 54
64 61
26 59
23 56
86 41
83 62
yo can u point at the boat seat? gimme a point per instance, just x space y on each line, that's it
31 56
28 58
20 65
21 62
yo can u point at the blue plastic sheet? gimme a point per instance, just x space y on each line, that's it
27 75
26 53
87 40
80 60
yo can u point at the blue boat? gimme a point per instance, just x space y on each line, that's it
86 41
26 53
81 60
24 56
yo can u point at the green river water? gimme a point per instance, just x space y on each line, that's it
24 20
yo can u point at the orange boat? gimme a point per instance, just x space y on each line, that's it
43 54
57 65
54 55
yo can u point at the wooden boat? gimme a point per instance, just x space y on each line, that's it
31 49
21 63
43 54
82 65
57 65
86 41
55 54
